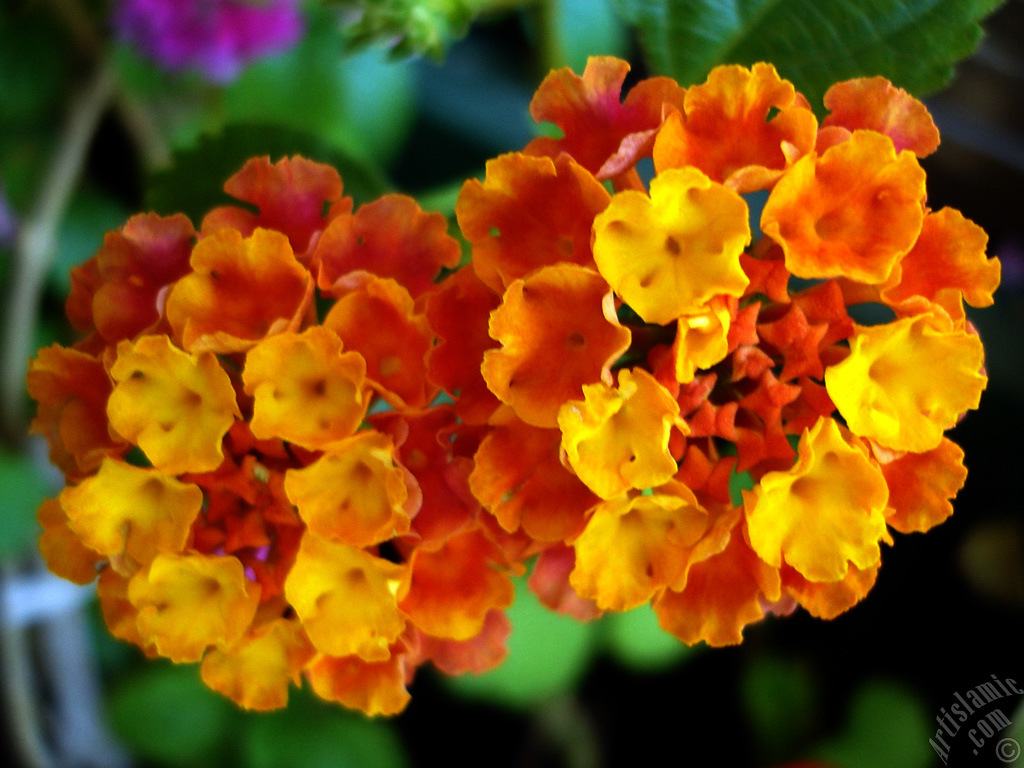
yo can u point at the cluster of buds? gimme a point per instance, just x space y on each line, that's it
304 442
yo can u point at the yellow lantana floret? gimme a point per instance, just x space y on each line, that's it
131 514
617 438
702 339
346 598
826 511
355 493
668 254
906 382
307 391
174 405
635 545
187 603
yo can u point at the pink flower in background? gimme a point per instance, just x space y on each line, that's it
216 37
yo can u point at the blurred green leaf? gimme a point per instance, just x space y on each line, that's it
360 103
311 734
547 655
914 43
89 216
637 641
23 487
780 698
165 714
33 69
194 184
888 727
584 28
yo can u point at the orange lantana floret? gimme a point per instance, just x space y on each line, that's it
187 603
529 212
728 131
394 345
667 255
355 493
131 514
346 598
453 588
548 354
290 195
307 390
603 134
175 406
877 105
853 212
241 290
390 237
634 546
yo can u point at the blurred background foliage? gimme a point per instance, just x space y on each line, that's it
415 95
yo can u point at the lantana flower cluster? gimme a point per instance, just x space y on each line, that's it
302 442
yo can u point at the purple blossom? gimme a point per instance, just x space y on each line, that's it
215 37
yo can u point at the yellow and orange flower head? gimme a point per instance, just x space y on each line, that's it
302 445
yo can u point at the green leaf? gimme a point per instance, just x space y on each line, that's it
780 697
638 642
312 734
360 103
23 487
194 183
914 43
888 727
584 28
166 715
547 655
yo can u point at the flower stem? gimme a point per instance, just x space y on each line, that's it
36 245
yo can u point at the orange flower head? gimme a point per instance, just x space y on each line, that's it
175 406
547 354
908 381
617 439
241 290
702 339
854 211
306 389
724 128
668 254
529 212
825 512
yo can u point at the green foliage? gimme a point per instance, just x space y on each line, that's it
547 655
24 488
914 43
165 714
780 698
312 734
888 727
636 641
90 215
